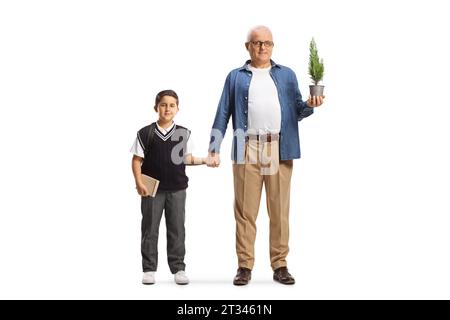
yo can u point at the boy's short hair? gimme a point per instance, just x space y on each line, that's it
163 93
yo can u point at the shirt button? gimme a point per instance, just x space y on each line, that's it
245 98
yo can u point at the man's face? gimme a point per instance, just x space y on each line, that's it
260 46
167 108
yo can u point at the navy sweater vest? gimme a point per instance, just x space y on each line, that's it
164 155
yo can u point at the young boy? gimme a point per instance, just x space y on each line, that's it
161 151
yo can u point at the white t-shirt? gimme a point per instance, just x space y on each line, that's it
264 110
137 150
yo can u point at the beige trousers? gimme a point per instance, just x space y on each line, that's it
262 166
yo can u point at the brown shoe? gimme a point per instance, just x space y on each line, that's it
283 276
242 277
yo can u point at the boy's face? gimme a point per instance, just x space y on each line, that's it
167 108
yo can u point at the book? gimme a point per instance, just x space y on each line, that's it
151 184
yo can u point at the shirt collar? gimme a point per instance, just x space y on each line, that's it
165 131
245 66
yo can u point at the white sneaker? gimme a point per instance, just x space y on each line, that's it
181 277
149 277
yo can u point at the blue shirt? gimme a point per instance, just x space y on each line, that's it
234 103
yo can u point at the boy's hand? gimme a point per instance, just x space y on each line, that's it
142 190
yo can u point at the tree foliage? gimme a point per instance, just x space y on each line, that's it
316 67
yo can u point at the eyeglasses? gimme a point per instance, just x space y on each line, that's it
258 44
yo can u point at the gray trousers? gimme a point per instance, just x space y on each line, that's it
173 204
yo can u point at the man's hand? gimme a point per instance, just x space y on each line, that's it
142 190
315 101
213 160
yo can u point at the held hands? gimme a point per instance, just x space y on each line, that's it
315 101
213 160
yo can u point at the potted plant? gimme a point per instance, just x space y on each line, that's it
315 70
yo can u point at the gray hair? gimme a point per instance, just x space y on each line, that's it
256 28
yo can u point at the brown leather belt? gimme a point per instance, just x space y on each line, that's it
264 137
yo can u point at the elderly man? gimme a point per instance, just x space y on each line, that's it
265 104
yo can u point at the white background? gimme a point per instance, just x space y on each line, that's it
369 201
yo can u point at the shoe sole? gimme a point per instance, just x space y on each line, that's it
286 283
148 284
241 283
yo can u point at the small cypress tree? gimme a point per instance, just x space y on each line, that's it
316 67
